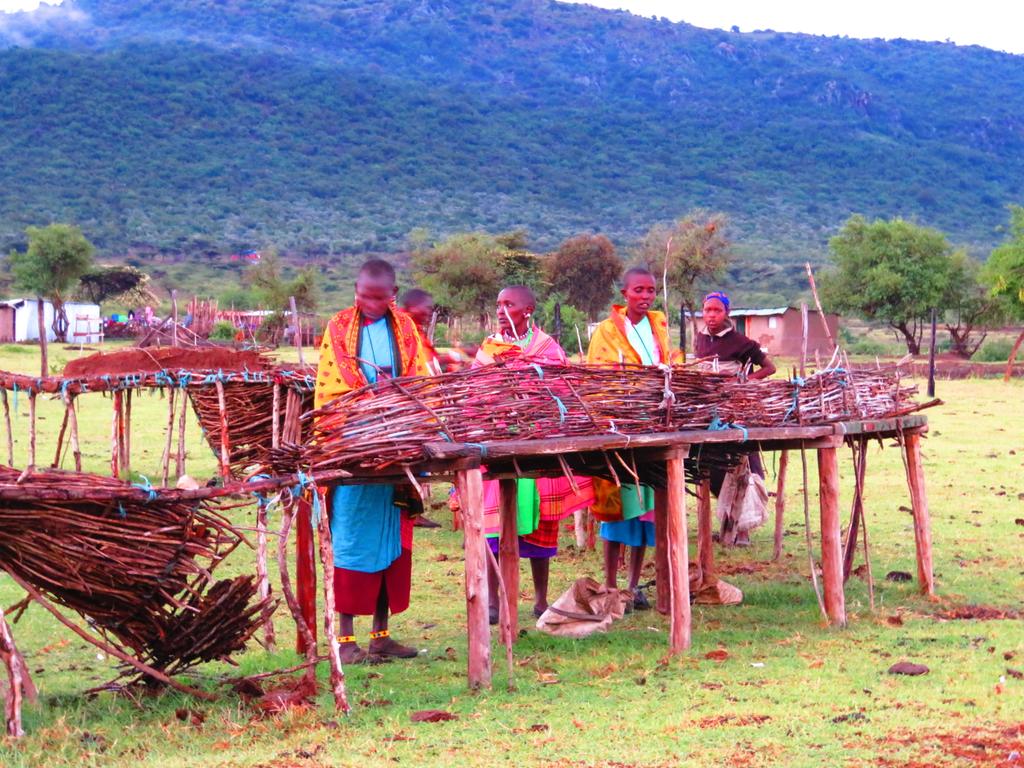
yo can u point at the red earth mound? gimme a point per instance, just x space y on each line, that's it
135 360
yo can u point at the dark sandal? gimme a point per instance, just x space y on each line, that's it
388 648
640 601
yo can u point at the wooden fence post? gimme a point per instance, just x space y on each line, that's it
831 544
471 494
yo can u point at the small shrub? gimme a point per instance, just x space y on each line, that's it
871 347
223 331
994 351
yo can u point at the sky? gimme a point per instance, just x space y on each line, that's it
997 24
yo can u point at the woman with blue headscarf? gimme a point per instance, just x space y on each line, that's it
727 348
729 351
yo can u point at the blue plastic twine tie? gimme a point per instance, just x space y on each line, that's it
264 502
797 382
146 486
717 425
305 482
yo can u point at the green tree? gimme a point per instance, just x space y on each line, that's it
273 290
585 269
1004 273
56 257
688 253
970 309
893 272
464 273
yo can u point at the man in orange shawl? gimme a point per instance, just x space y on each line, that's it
372 539
634 334
543 502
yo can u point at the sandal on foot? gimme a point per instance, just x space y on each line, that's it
538 611
351 653
382 644
640 600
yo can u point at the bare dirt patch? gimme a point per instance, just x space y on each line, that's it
995 745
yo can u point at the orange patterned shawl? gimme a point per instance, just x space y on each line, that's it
338 371
610 344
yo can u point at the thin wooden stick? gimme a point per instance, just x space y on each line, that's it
803 340
817 303
275 423
60 440
225 442
780 504
306 635
165 459
7 423
504 620
179 461
32 429
262 579
323 528
810 541
115 435
72 412
18 678
126 434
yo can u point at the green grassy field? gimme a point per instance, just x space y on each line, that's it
790 691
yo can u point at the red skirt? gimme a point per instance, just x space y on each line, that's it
356 592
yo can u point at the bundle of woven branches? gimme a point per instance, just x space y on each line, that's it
250 412
388 422
136 565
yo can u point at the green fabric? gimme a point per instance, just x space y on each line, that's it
528 502
631 506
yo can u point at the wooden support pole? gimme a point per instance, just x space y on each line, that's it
72 412
305 569
662 571
922 517
780 504
333 648
179 460
831 544
705 543
678 557
508 550
7 423
225 440
471 494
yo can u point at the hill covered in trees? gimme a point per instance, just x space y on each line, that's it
325 127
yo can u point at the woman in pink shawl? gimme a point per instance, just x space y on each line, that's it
543 502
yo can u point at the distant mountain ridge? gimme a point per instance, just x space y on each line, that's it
328 127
